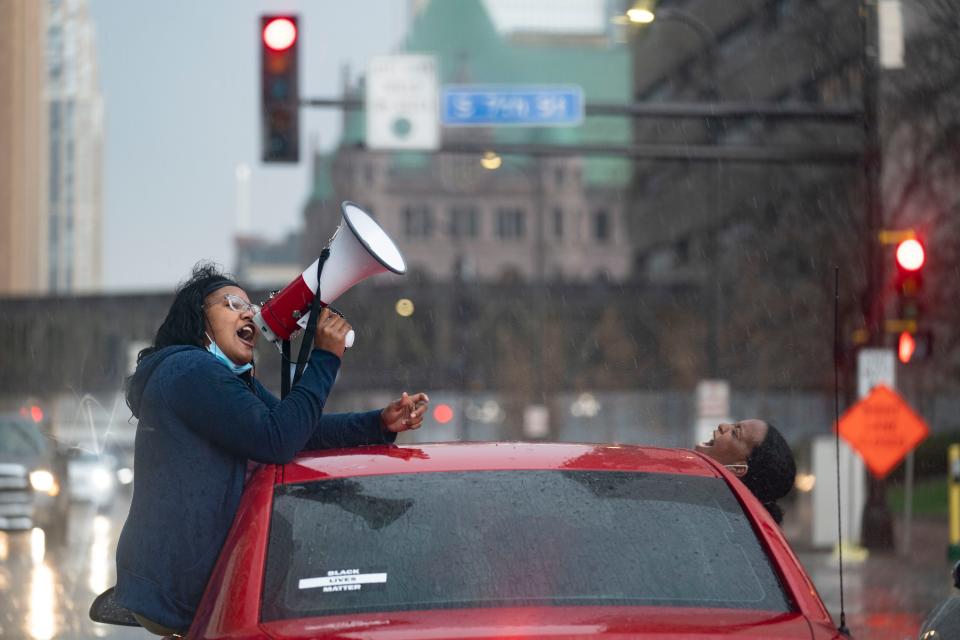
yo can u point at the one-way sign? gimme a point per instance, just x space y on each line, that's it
528 106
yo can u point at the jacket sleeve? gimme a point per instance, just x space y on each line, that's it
338 430
218 405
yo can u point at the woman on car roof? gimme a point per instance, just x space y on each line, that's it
204 423
757 453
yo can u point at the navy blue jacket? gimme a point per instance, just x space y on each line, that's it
199 424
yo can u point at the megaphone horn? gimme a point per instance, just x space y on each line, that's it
359 249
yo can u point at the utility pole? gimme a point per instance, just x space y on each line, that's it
877 523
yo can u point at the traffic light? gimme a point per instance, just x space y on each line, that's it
910 258
906 346
279 89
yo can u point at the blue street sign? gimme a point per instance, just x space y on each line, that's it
528 106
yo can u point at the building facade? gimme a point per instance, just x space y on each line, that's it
23 152
515 218
75 112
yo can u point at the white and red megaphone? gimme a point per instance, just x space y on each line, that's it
359 249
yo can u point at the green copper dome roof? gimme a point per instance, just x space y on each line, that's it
471 51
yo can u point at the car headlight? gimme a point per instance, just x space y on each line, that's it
43 481
102 479
125 475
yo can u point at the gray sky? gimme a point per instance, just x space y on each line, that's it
180 81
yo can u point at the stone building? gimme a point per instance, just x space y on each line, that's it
557 218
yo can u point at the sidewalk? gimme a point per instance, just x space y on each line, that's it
886 595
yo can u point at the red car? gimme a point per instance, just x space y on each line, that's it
506 540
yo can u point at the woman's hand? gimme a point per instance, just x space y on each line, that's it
405 413
331 332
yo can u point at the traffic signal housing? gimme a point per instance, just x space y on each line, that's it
279 89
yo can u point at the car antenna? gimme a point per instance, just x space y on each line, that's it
836 411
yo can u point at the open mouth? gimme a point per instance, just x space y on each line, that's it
247 333
708 443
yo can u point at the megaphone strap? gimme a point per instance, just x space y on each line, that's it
306 343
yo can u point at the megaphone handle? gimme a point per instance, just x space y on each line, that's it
351 335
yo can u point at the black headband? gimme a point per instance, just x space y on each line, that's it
217 283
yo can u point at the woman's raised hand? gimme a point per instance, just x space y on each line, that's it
331 332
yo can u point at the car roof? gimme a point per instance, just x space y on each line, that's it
493 456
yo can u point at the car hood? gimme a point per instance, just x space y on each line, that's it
552 622
19 458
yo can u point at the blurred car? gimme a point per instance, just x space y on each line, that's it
33 480
943 621
93 476
506 540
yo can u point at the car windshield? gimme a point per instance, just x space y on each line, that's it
19 439
518 538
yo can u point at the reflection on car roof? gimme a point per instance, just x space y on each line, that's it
490 456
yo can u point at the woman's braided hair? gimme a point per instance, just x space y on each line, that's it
771 471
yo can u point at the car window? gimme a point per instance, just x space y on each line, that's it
517 538
17 438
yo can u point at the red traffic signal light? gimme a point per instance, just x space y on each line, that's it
910 255
280 34
910 258
279 89
906 346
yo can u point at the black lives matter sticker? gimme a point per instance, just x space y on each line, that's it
343 580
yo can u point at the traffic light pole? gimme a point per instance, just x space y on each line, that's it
836 113
877 523
764 154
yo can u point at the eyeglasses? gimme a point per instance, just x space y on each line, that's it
238 304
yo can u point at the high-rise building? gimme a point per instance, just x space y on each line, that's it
23 148
75 111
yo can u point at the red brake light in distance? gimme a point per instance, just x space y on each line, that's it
442 413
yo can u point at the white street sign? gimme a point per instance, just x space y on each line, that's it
875 366
536 421
403 101
713 407
890 23
713 399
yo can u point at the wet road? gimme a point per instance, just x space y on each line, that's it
886 595
46 592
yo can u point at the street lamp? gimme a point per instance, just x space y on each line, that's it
641 12
490 160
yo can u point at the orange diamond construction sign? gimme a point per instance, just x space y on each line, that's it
883 429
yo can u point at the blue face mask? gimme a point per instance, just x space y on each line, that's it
227 362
